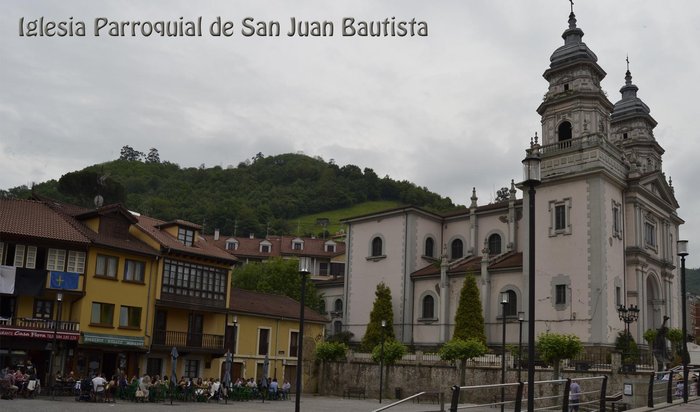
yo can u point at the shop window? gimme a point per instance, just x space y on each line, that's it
191 368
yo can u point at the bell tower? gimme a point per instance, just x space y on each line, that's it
574 106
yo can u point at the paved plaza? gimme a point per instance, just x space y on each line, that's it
309 403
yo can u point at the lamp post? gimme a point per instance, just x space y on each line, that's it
628 315
304 270
683 252
531 175
521 319
381 364
59 300
504 302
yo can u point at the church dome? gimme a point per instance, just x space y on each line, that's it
630 105
573 50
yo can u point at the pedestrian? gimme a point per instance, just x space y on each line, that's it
574 396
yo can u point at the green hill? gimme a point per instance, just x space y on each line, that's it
283 194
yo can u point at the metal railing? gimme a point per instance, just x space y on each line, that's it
412 397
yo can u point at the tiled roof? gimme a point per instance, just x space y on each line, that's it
30 218
509 260
265 304
459 211
200 247
280 246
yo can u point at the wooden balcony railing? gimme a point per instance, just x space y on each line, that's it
45 324
189 340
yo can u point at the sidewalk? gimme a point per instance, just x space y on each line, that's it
309 403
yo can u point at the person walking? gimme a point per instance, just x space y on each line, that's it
574 396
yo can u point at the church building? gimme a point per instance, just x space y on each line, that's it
605 234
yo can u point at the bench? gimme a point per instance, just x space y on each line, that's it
616 402
354 391
431 396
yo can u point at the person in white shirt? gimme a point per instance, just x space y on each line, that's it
98 383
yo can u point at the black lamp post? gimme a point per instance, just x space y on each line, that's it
504 303
531 175
52 380
628 315
521 319
304 270
381 364
683 252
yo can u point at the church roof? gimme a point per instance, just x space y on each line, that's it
574 51
630 105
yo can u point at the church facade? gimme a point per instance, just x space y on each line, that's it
606 226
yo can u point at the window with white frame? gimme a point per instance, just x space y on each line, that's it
30 262
265 247
56 260
330 247
25 256
231 244
76 262
560 217
19 256
298 245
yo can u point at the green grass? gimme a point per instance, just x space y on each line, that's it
307 223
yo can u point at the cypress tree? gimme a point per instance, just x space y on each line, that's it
469 320
381 310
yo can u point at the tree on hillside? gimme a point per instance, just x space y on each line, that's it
381 311
153 156
130 154
82 187
469 320
277 276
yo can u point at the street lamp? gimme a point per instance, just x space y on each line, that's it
628 315
381 364
59 300
683 252
531 178
521 319
504 302
304 270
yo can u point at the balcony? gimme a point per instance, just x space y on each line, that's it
39 328
203 342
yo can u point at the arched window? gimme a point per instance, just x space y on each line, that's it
511 308
428 307
457 249
338 305
337 327
429 247
377 246
322 307
564 131
495 244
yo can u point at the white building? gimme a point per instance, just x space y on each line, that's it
606 228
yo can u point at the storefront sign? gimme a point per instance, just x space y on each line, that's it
112 340
39 334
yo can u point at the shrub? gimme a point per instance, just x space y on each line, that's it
462 349
393 351
331 351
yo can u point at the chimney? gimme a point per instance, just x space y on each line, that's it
252 235
216 234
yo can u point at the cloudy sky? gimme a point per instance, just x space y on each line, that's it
450 111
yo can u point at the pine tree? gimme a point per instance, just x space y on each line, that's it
469 320
381 311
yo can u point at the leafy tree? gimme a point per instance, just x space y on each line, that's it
502 195
554 347
393 351
469 320
462 350
381 311
650 336
277 276
331 351
130 154
675 335
153 156
82 187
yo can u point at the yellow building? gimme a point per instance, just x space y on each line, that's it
267 325
190 293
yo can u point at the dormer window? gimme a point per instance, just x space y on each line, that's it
330 246
231 244
186 236
265 247
298 244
